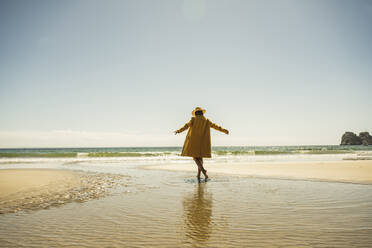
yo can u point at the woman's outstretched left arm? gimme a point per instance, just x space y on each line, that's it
186 126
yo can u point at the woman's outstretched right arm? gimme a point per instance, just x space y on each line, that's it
218 128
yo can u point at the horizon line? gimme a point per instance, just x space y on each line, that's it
91 147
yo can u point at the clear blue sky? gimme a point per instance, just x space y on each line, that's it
123 73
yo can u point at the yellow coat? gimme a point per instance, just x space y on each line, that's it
198 140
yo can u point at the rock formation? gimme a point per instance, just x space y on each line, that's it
350 138
366 138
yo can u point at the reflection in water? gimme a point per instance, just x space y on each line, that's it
197 208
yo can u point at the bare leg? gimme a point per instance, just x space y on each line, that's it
204 170
197 161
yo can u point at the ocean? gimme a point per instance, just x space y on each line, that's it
172 154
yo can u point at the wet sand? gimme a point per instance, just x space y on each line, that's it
332 171
164 208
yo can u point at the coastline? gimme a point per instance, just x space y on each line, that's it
331 171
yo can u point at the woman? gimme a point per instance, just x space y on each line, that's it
198 140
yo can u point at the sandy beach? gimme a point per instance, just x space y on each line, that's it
37 187
333 171
118 203
32 189
17 183
169 208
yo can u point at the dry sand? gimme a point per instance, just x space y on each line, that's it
31 189
339 171
16 182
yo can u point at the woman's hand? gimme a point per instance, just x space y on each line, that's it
226 131
176 132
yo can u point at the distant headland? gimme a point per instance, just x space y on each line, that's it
350 138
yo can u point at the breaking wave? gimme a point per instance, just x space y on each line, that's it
173 152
